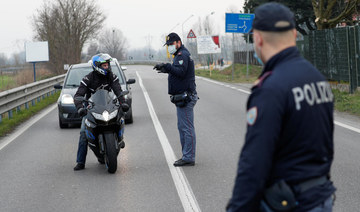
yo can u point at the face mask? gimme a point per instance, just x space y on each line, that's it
172 49
257 57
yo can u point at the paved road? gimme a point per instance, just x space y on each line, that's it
36 167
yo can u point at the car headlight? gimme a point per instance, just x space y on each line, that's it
67 99
105 116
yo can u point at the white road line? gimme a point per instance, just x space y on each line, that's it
182 185
347 126
247 92
20 131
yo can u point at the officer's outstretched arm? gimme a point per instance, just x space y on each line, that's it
179 66
264 120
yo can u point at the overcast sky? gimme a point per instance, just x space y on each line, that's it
137 19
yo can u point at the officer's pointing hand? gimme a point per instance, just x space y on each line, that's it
161 68
158 66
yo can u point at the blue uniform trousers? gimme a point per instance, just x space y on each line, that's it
185 116
83 144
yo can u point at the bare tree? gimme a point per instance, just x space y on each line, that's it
329 13
113 42
92 50
3 60
67 25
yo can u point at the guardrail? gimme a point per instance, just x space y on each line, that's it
22 95
141 62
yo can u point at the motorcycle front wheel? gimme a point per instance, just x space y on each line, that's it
111 153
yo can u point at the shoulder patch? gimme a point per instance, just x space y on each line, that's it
181 62
251 116
260 80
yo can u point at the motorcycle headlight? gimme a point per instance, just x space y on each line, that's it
105 116
67 99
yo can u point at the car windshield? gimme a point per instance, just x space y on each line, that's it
75 75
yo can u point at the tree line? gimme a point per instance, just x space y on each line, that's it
68 25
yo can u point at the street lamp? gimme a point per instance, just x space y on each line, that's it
174 27
207 18
182 26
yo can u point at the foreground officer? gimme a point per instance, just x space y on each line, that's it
100 77
182 88
285 161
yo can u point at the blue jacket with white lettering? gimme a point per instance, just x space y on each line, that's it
289 133
181 73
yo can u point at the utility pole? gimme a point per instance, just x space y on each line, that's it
233 57
247 54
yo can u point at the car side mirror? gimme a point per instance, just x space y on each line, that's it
131 81
58 86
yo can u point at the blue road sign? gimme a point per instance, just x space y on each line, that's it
238 22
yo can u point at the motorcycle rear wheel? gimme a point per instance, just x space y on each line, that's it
111 153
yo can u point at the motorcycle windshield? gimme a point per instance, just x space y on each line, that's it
102 98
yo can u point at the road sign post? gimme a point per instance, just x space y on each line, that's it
239 23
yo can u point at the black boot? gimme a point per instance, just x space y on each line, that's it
122 144
79 166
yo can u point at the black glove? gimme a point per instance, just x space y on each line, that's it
82 112
160 68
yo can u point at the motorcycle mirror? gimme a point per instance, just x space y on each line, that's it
79 98
125 107
124 93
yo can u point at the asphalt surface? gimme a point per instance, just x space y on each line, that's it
36 168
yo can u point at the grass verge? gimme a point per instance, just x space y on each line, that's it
344 102
6 82
7 125
226 74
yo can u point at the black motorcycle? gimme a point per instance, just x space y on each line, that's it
105 126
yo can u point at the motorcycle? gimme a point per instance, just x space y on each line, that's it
105 121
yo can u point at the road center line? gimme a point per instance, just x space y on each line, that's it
247 92
20 131
182 185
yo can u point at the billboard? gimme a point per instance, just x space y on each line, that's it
208 44
37 51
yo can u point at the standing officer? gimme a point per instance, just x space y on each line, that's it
100 77
182 88
285 161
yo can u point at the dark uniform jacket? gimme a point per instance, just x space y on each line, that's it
289 133
93 81
181 73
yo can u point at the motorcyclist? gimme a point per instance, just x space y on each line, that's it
101 77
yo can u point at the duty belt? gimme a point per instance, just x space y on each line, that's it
311 183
